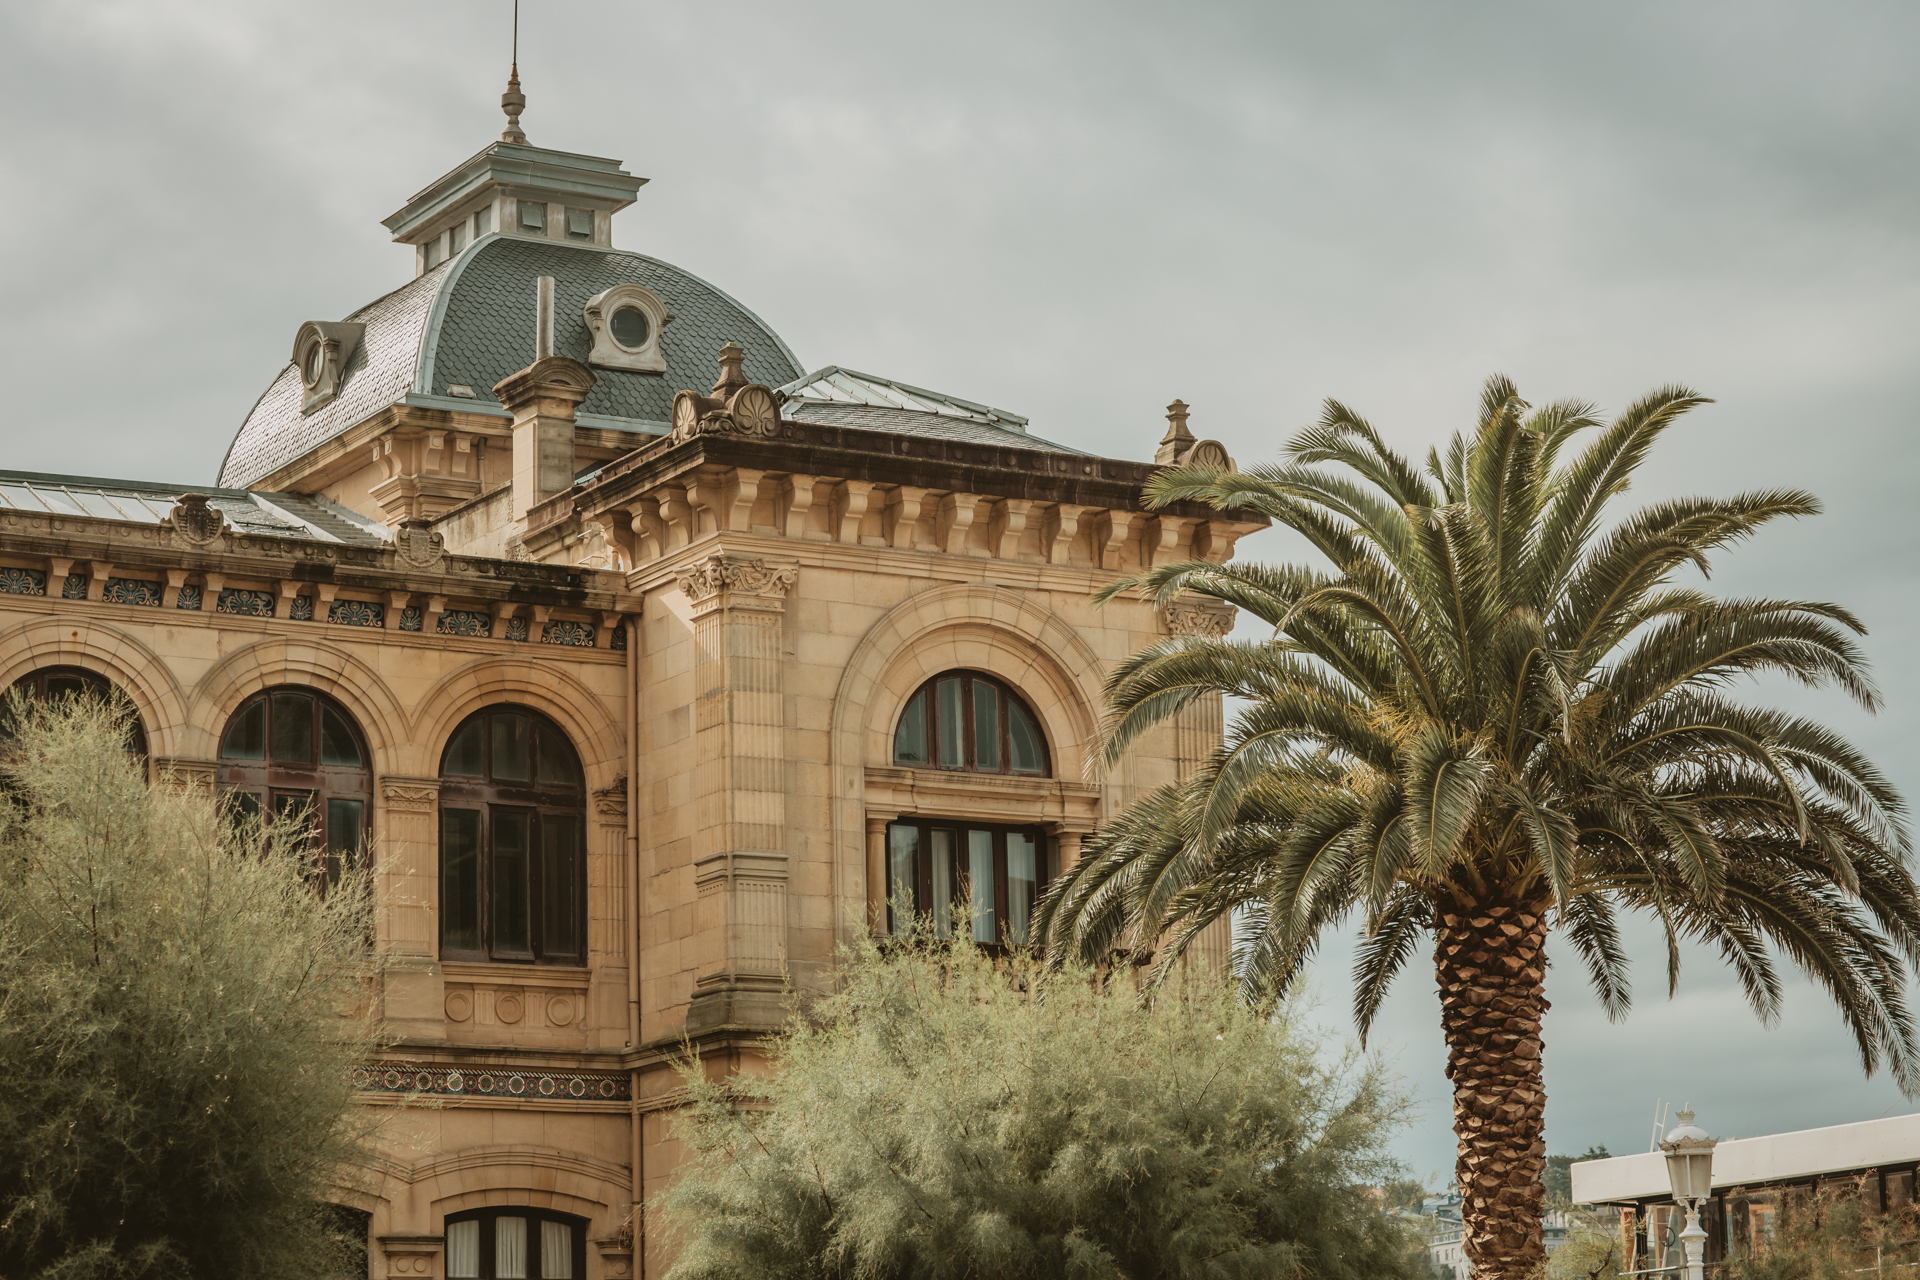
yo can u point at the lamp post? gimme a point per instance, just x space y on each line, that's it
1689 1154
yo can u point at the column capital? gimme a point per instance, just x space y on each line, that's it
720 580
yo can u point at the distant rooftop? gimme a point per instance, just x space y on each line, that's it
280 515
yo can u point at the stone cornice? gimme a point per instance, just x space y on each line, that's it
415 564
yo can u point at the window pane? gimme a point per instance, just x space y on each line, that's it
1022 879
336 739
510 1248
344 818
948 717
558 764
463 1250
60 688
460 879
293 728
556 1251
464 758
1029 756
560 887
980 875
903 856
512 754
943 883
510 868
910 737
247 735
243 811
986 726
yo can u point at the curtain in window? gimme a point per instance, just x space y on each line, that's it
463 1250
1022 868
980 874
556 1251
510 1248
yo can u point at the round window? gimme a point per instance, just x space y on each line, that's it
316 360
630 327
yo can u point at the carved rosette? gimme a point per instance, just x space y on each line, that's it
1194 618
195 522
723 579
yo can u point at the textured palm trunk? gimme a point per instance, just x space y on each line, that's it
1492 968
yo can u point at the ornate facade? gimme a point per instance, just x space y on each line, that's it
614 671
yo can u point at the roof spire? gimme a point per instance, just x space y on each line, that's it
1178 439
513 102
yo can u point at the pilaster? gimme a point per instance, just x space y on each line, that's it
739 790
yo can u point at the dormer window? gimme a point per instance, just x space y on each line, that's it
626 321
533 217
579 224
321 350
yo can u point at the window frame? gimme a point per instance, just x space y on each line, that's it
923 896
271 783
487 1265
35 683
542 802
927 698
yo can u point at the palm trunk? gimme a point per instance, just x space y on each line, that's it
1492 968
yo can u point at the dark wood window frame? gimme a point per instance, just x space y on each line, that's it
513 883
275 758
531 1268
58 681
925 737
923 887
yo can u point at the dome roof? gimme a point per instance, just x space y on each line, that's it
469 322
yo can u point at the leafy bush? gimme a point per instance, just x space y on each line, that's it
177 1021
946 1116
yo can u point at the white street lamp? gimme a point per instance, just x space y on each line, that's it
1690 1169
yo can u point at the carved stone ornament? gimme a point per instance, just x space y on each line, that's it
610 801
1208 453
410 795
195 521
417 546
1191 618
733 407
719 573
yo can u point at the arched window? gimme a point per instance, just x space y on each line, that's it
78 682
516 1243
964 720
513 883
290 750
935 865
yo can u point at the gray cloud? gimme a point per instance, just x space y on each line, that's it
1078 211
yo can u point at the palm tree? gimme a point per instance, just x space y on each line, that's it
1498 715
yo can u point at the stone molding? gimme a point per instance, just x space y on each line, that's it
892 791
610 801
409 795
187 772
412 1255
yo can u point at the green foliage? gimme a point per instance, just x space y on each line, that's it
1558 1176
178 1012
1591 1250
1493 692
1826 1237
946 1117
1403 1193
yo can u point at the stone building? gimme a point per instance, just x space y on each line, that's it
641 689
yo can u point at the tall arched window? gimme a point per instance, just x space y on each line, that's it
516 1243
78 682
513 883
939 867
964 720
291 750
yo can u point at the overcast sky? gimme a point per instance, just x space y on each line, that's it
1078 212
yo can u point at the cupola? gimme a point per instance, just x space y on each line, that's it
514 188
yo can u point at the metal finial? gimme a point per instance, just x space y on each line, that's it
513 102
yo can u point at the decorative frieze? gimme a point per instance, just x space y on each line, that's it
578 635
356 613
466 622
517 629
411 618
301 609
244 604
409 795
493 1082
75 587
189 598
23 582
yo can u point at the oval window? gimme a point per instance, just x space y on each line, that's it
316 362
630 327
